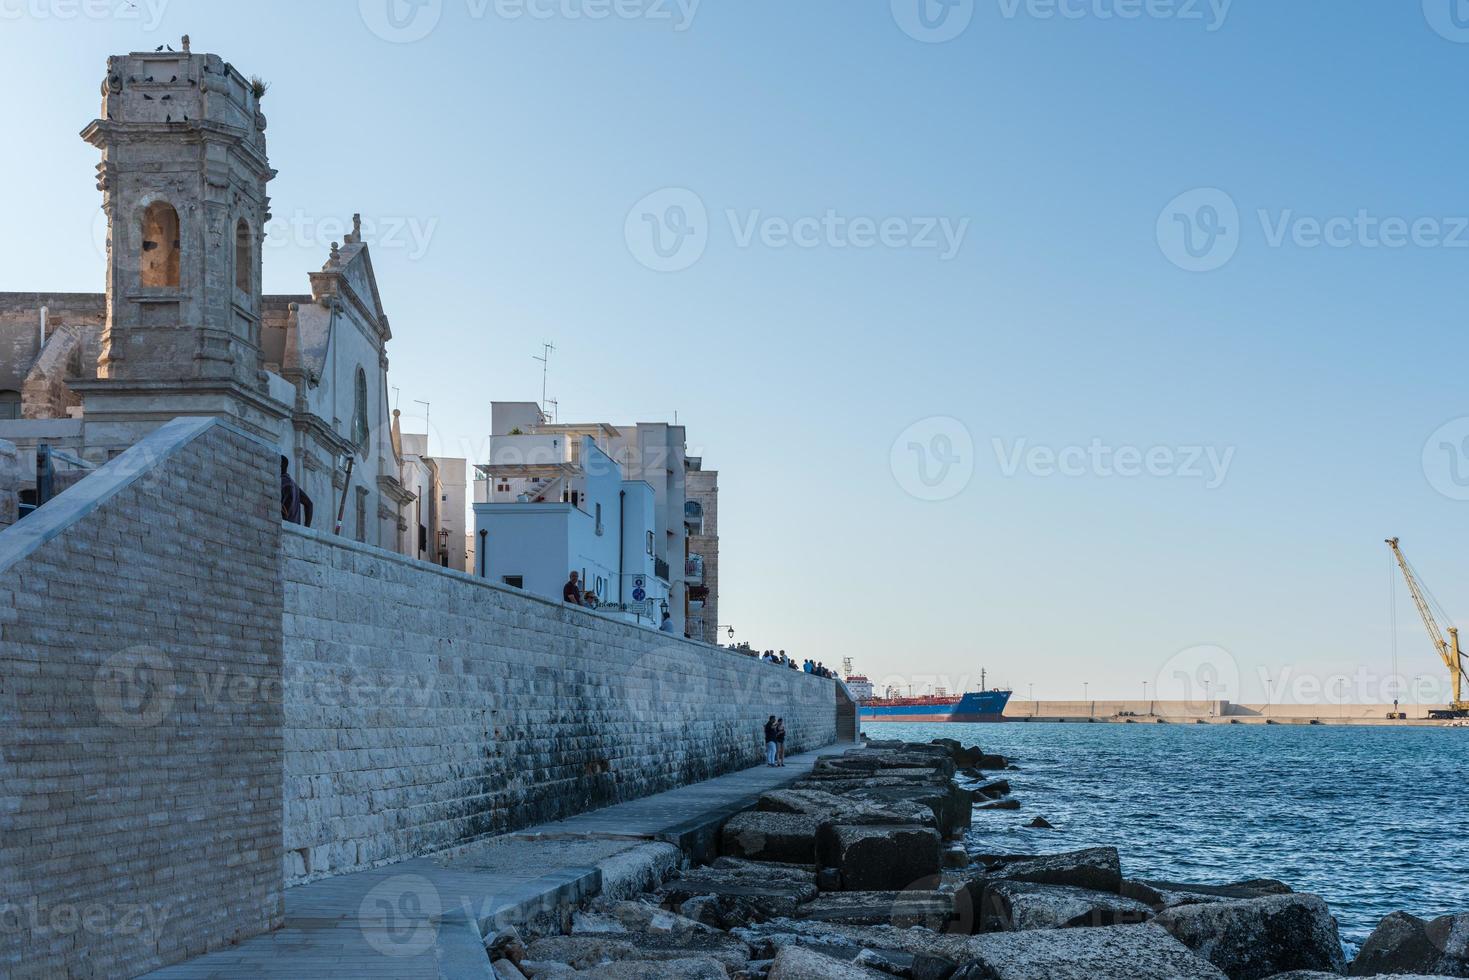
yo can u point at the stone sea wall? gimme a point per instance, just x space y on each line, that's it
140 808
426 708
199 707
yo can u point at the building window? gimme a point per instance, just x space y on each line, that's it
244 258
9 404
362 516
160 259
359 414
514 581
650 542
599 518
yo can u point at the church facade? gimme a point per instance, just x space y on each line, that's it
183 327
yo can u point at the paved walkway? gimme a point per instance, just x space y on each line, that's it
424 918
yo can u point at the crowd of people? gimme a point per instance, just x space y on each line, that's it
779 658
573 594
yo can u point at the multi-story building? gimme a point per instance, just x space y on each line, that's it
701 573
605 501
437 513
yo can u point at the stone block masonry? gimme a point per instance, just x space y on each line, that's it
140 791
199 706
426 708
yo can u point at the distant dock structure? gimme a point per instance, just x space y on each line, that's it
1220 712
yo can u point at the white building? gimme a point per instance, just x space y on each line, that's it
436 515
604 501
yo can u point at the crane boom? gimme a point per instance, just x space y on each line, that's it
1448 650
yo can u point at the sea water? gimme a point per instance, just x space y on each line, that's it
1371 819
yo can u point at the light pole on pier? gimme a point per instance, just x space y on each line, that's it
1146 707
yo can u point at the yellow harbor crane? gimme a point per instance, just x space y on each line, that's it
1448 650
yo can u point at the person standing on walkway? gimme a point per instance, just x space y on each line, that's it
780 741
296 507
770 741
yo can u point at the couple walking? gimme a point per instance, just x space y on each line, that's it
775 741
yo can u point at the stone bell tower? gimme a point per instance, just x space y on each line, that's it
183 179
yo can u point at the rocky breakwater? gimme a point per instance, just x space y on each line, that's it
857 871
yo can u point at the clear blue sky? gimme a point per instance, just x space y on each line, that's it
520 146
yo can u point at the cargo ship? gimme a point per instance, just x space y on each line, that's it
976 706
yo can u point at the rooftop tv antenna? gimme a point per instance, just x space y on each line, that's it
426 428
547 349
555 410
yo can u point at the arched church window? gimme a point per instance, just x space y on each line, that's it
160 260
244 257
359 413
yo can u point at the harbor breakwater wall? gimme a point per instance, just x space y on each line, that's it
1216 712
199 707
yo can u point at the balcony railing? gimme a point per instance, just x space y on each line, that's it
693 570
660 569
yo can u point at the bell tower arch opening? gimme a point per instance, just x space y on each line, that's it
159 263
244 257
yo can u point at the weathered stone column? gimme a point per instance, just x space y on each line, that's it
11 478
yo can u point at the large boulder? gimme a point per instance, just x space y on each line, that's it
1011 906
929 909
767 937
1097 868
763 870
992 790
1258 937
952 805
1166 894
685 968
889 857
725 899
827 772
1138 952
789 838
1404 943
627 918
800 963
837 809
1318 975
591 951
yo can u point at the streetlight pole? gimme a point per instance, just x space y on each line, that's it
1086 694
1146 706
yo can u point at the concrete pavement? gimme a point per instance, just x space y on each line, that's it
426 918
